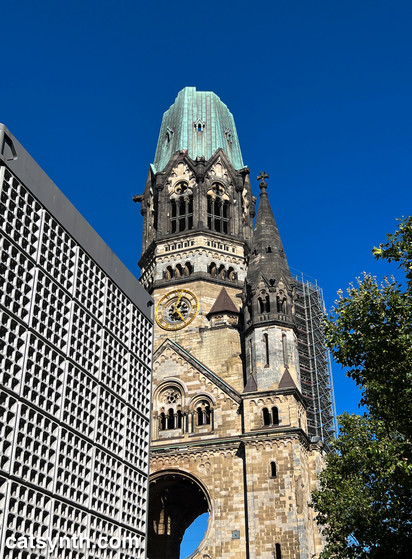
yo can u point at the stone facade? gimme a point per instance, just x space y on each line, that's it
229 428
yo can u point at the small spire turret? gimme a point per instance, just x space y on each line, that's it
267 257
268 303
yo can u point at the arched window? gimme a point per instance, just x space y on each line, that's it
178 271
179 417
203 413
285 349
275 416
168 273
264 303
181 214
199 125
171 419
273 469
281 304
168 135
250 356
266 416
222 271
169 404
187 270
218 209
278 552
155 210
266 348
207 414
199 416
212 269
231 274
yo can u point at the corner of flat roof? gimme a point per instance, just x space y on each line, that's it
34 178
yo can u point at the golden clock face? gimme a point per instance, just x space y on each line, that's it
176 309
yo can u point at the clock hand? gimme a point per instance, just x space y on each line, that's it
180 296
178 312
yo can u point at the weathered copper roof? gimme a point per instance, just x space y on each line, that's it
200 123
223 304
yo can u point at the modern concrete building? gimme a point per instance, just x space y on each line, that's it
75 373
239 428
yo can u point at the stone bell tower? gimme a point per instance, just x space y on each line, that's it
229 433
268 297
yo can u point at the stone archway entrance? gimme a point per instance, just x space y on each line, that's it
176 499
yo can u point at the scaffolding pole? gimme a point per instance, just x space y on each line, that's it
314 360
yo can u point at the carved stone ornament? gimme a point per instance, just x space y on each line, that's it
181 188
218 170
245 203
218 191
171 396
181 173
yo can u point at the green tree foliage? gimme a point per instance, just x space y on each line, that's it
364 500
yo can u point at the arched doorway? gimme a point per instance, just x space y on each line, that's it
176 499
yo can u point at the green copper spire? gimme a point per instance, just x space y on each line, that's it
200 123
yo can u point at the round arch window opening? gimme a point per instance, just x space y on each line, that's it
178 504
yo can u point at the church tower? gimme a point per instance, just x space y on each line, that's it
229 429
271 356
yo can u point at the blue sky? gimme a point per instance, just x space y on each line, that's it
320 91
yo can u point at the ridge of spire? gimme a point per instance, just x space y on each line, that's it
267 256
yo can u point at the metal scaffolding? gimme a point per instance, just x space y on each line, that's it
314 358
